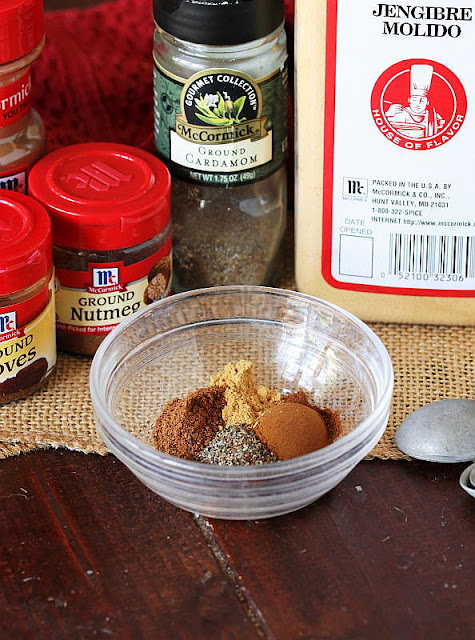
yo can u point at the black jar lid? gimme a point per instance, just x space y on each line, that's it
218 22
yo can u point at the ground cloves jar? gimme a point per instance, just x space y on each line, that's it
27 321
110 211
22 133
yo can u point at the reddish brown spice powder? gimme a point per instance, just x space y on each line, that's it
331 418
186 425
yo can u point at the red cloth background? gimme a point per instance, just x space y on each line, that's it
93 82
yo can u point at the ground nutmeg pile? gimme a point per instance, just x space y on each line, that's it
234 421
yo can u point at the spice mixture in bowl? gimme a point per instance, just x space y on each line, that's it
171 375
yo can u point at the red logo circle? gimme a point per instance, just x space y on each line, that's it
418 104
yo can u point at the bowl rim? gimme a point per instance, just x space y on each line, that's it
146 455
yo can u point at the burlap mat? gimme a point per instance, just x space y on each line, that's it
83 87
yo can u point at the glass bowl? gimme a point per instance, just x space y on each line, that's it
296 342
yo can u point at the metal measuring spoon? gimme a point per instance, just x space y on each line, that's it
441 431
467 480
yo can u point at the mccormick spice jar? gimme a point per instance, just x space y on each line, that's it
385 140
221 127
27 323
110 211
22 135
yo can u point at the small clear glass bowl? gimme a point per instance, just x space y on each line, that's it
296 342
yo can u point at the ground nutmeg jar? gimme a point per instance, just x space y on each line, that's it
27 323
22 134
110 211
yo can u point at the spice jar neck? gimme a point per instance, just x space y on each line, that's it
258 58
218 52
15 99
10 299
10 71
79 258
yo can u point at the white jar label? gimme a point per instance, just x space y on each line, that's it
15 100
14 180
399 186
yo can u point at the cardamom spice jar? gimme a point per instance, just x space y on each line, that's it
110 211
27 320
220 92
22 133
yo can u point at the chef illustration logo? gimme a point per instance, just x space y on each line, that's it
418 104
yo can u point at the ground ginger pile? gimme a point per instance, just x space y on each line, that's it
245 400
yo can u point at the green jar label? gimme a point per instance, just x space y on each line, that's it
221 127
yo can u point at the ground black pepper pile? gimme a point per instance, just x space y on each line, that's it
236 445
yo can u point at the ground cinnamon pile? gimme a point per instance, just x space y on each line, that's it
234 421
331 418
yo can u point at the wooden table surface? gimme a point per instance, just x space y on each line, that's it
86 551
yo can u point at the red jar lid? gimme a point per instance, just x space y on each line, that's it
102 196
21 28
25 242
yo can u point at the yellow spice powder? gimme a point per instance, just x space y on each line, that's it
245 400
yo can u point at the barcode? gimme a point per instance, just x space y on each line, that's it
430 254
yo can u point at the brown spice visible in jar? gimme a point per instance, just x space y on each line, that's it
227 236
30 377
27 323
22 132
69 259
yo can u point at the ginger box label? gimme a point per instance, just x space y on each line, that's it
397 183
